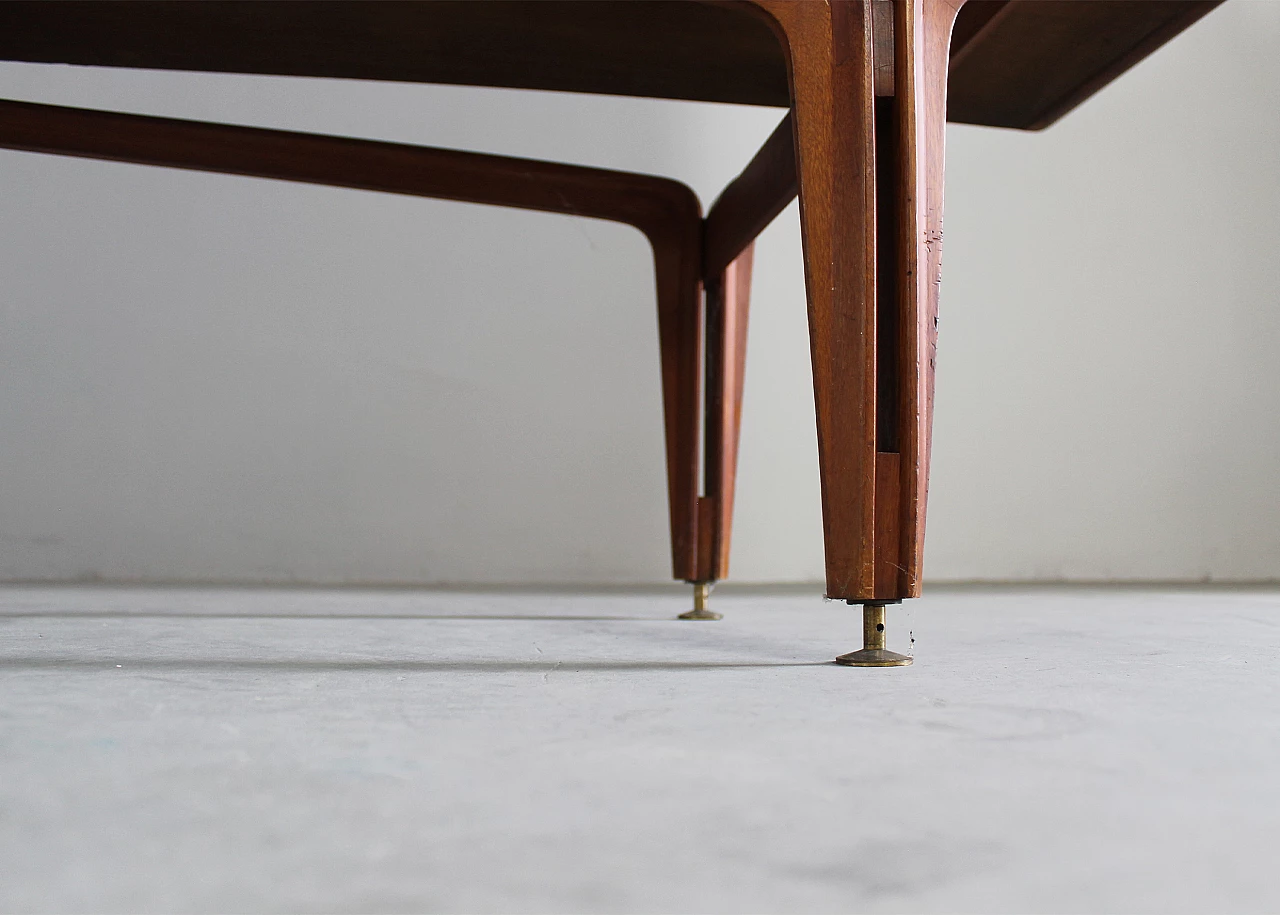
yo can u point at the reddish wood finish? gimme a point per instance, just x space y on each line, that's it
1026 63
1022 74
870 179
889 567
924 33
657 206
867 85
659 48
728 299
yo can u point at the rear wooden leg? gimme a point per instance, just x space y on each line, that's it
868 89
728 302
677 248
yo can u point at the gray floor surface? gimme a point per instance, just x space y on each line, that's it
280 751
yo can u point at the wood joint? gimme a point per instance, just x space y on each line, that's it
706 547
882 46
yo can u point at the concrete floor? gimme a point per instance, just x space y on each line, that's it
1052 750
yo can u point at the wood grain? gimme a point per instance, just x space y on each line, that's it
867 85
657 48
829 50
923 40
728 301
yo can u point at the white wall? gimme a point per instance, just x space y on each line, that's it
217 378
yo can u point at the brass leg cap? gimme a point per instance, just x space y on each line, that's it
700 614
874 657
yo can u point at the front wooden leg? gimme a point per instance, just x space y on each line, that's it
868 89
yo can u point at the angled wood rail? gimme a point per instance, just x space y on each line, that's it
667 212
693 342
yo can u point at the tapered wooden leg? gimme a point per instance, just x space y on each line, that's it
922 44
868 88
728 301
677 261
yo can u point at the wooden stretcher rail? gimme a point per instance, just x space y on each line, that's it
666 211
751 201
742 211
647 202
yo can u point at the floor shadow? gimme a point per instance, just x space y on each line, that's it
91 615
311 666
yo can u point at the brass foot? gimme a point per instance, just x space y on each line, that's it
873 653
701 591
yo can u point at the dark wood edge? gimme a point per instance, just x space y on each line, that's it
968 31
1051 113
1148 44
656 206
750 202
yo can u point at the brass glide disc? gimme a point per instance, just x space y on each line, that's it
874 657
873 653
701 592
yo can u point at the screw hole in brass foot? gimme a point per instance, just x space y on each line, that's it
701 591
873 652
